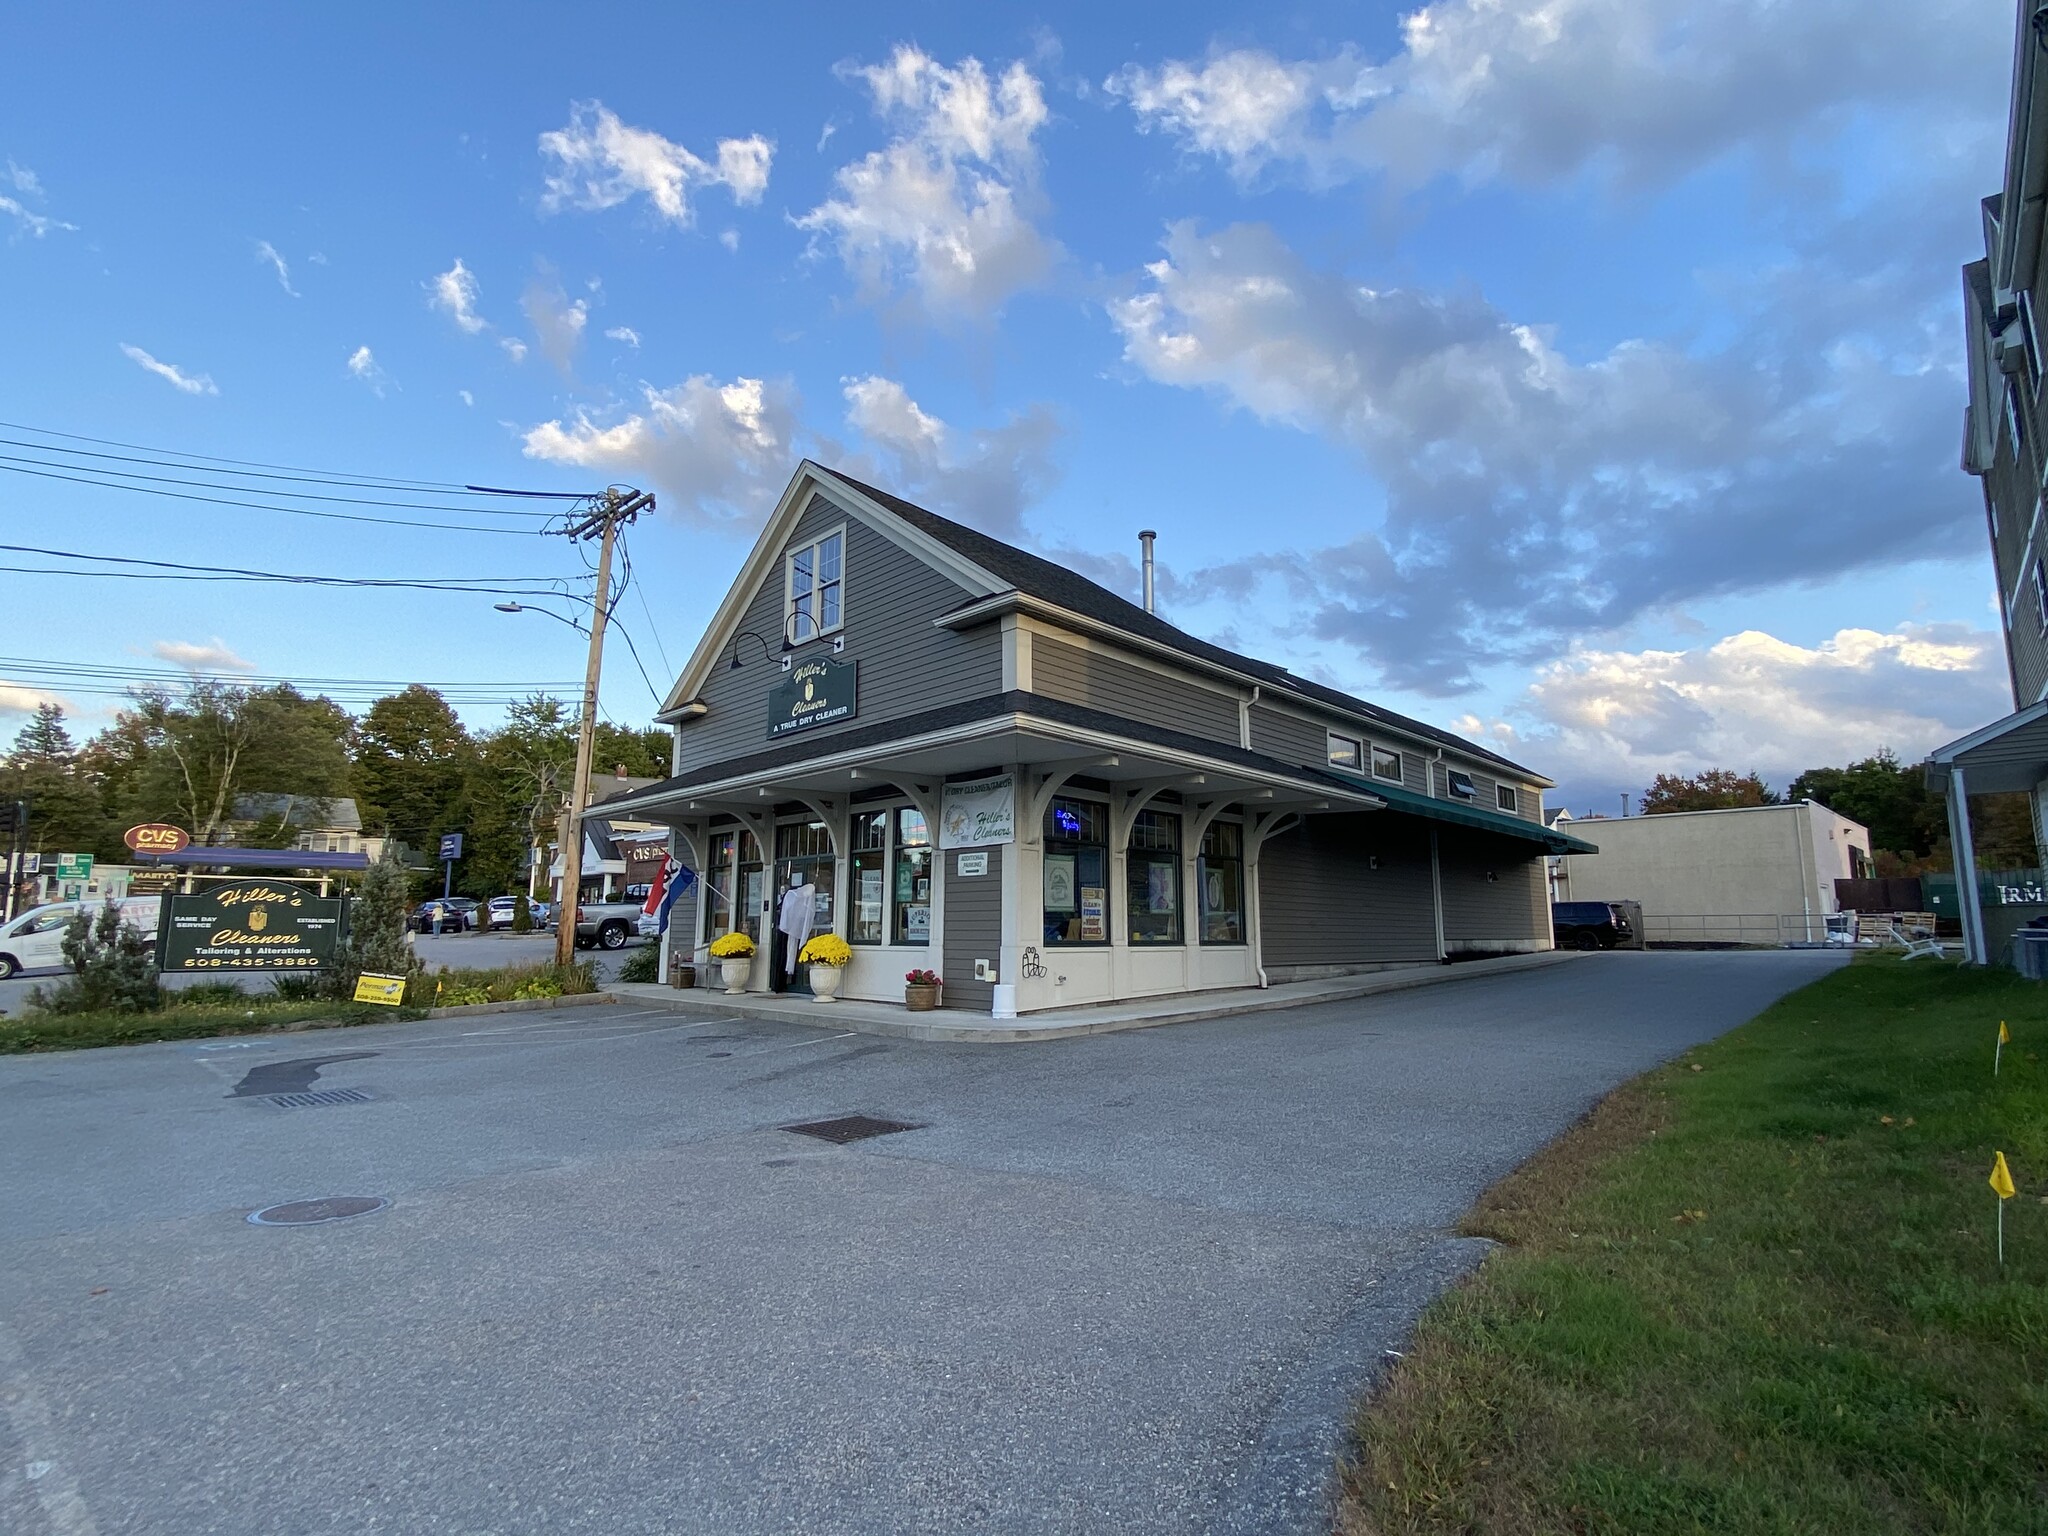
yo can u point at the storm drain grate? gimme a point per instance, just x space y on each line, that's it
852 1128
308 1213
313 1098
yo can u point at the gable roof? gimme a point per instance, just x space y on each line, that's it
1040 578
305 812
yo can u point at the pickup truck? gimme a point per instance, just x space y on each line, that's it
607 924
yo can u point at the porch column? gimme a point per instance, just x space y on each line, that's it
1968 903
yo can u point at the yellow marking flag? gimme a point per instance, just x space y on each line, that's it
388 990
2001 1177
2004 1034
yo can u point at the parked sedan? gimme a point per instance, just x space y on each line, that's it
457 914
501 911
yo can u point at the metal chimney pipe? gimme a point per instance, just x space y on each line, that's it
1145 539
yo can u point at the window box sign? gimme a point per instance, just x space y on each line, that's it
820 692
250 925
977 814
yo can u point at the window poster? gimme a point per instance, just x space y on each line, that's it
1160 879
1094 906
918 924
1212 889
1059 882
870 913
905 873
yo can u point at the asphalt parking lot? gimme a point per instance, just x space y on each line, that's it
1123 1283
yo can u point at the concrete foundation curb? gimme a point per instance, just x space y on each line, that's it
892 1023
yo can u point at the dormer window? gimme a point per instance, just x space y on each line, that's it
815 589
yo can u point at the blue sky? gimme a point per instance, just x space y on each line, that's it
1583 374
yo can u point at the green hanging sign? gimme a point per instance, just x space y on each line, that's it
820 692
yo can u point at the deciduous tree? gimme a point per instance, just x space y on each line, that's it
1717 789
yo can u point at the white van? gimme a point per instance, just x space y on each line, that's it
34 941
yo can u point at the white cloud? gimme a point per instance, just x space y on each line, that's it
986 477
557 322
718 453
28 184
514 348
626 334
465 397
945 211
729 238
213 655
26 699
191 384
457 291
599 162
363 365
1536 91
1530 497
265 251
1602 721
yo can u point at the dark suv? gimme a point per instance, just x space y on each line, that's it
1590 925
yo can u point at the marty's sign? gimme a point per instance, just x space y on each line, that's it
250 925
817 692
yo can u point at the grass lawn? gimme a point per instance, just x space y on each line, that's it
76 1031
1754 1292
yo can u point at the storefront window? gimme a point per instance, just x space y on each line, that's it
718 876
913 878
1076 881
1153 871
870 857
1219 878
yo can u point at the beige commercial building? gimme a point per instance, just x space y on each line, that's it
1760 875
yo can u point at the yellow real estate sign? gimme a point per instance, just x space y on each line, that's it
389 990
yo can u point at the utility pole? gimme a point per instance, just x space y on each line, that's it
618 506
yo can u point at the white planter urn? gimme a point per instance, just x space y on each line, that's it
825 981
734 973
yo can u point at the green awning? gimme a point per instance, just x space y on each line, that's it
1463 815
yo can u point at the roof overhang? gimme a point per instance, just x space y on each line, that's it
2007 756
977 745
195 856
1457 813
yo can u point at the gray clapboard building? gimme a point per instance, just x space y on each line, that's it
985 765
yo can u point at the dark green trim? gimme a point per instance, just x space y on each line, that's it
1460 814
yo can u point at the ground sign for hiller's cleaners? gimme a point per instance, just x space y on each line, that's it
250 925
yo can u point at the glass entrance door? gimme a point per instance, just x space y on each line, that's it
803 856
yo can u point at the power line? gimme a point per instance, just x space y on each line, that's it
341 477
536 586
259 506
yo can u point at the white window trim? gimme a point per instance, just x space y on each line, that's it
789 586
2041 592
1358 746
1505 798
1451 791
1400 767
2015 430
2031 340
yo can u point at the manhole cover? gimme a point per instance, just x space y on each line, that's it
307 1213
852 1128
315 1097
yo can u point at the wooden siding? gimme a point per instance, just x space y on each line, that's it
906 664
1513 905
1100 681
1320 902
1528 801
973 930
1289 737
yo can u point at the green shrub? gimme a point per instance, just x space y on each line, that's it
298 989
217 994
112 968
449 988
522 913
644 964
